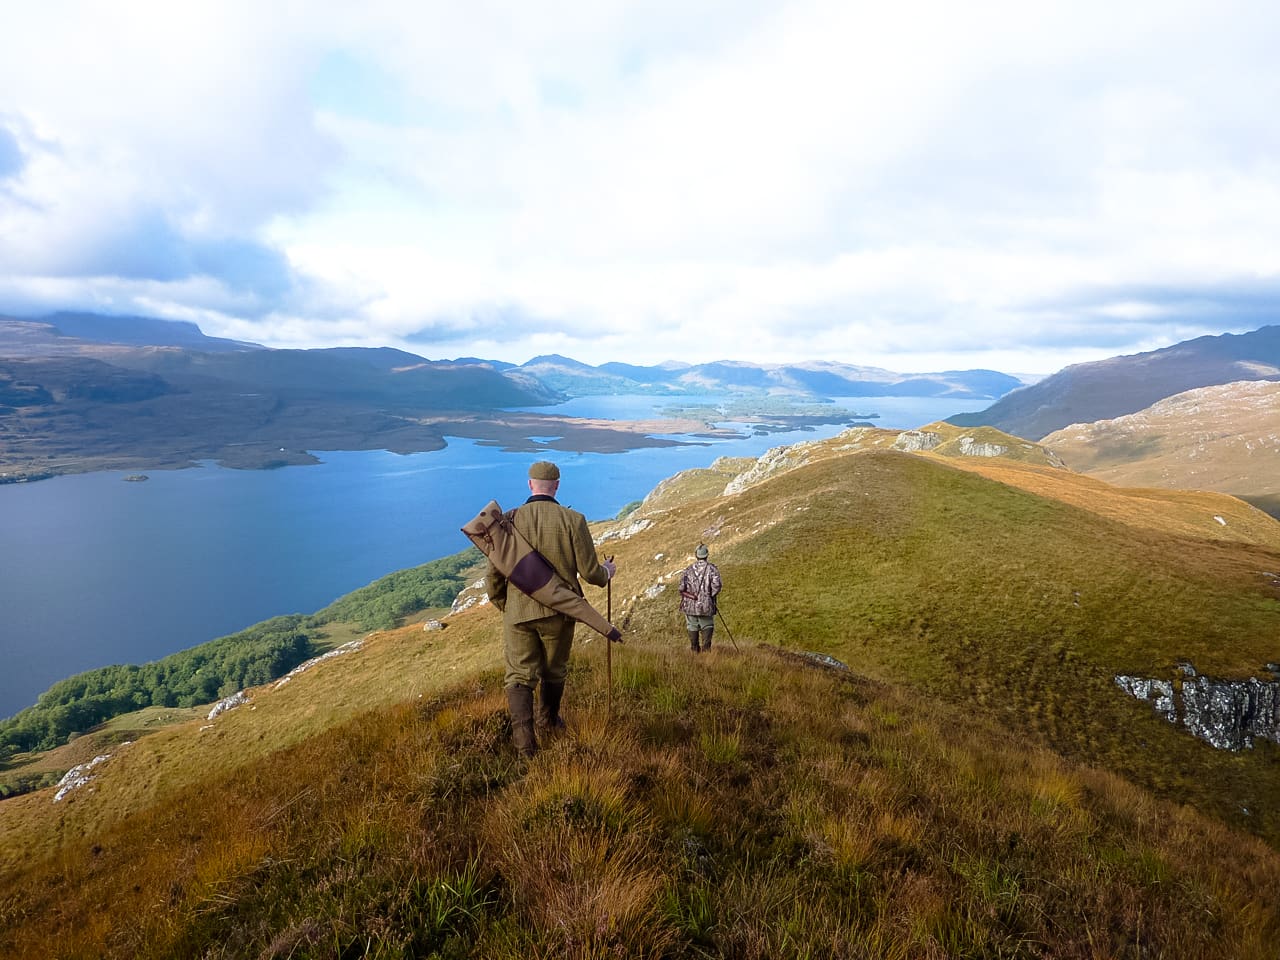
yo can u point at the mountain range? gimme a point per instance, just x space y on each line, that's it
818 379
132 393
81 392
1106 389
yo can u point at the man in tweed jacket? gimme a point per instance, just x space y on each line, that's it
535 638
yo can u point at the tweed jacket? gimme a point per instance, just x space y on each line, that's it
560 535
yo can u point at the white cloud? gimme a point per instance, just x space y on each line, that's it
913 185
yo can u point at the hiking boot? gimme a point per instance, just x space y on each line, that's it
706 637
548 718
520 705
693 641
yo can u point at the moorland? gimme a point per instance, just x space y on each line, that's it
908 741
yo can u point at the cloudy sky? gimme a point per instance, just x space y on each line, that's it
918 185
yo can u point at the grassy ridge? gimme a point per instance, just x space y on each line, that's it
749 807
985 791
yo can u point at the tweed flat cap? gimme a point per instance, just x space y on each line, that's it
544 470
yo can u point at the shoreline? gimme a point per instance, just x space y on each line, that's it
510 431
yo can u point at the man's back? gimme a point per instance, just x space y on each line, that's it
561 535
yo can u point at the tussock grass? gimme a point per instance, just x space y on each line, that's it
848 819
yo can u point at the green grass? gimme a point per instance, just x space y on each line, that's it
931 578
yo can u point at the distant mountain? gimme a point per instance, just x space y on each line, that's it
477 361
82 392
1106 389
140 331
818 379
74 404
577 379
1224 438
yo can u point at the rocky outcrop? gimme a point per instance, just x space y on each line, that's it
626 531
79 775
917 441
1229 714
228 703
775 461
970 447
349 647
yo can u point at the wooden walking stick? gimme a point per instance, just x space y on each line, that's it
608 646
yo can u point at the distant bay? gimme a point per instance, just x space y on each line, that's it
95 570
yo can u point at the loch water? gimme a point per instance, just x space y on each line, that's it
95 570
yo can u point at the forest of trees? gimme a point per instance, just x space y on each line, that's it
383 603
217 669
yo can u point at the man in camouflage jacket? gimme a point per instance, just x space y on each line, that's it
536 639
699 586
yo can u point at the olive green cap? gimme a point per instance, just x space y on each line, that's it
544 470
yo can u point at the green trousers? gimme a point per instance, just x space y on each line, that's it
537 650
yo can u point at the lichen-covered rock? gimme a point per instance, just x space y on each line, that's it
228 703
774 461
77 777
1229 714
1159 692
917 441
970 447
626 531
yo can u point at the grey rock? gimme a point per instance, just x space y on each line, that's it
1228 714
972 448
917 441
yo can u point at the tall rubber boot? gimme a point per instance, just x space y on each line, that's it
520 705
548 714
706 637
693 640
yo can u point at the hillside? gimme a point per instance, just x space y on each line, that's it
1224 438
129 393
977 784
1107 389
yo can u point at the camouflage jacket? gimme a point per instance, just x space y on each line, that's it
699 586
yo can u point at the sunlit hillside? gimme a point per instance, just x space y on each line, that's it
975 784
1224 438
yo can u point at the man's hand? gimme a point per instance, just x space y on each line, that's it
610 567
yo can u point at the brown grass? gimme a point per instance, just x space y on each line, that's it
739 804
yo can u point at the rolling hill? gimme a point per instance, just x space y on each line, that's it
1224 438
977 783
133 393
1112 388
